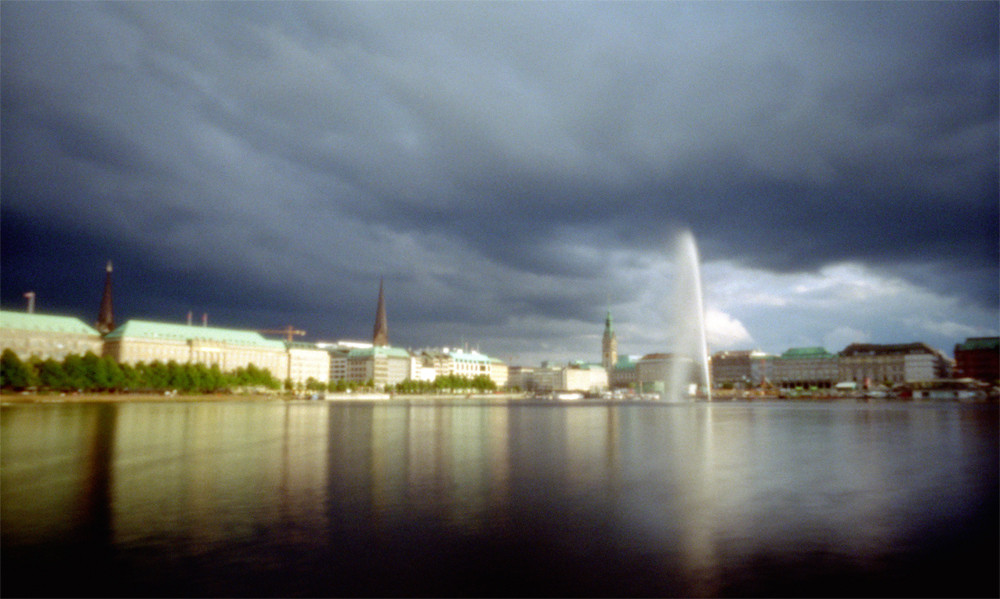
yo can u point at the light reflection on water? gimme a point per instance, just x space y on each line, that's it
411 498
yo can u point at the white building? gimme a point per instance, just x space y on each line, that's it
458 362
146 341
46 336
307 361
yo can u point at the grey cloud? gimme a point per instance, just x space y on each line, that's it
787 135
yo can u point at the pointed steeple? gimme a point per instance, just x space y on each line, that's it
609 345
106 317
380 338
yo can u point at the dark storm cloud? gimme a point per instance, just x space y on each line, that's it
473 152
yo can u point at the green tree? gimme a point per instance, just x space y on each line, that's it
482 382
51 374
15 374
92 371
75 371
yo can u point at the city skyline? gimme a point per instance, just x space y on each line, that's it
512 170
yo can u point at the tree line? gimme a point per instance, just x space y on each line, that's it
103 374
91 373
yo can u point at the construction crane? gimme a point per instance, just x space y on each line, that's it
288 331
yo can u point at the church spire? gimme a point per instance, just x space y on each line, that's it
106 318
381 334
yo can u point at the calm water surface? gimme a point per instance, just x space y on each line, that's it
423 498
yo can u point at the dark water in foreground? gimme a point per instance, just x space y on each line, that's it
325 499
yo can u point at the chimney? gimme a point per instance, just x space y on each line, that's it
204 319
31 301
190 316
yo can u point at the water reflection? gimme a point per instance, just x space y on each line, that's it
414 498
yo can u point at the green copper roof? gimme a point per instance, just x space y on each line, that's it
979 343
802 353
144 329
625 363
24 321
473 356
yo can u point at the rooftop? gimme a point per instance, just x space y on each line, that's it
875 349
802 353
980 343
49 323
144 329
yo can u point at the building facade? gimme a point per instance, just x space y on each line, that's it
146 341
46 335
805 368
307 361
978 358
623 374
652 372
740 368
383 366
583 377
873 364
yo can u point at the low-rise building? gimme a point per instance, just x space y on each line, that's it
622 375
806 368
652 372
338 352
307 361
465 363
978 358
46 335
146 341
498 372
872 364
383 365
740 368
584 377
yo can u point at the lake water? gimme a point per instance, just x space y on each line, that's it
504 499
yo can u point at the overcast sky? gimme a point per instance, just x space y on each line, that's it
512 170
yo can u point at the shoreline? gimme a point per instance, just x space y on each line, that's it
9 399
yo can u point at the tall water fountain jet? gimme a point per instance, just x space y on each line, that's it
690 351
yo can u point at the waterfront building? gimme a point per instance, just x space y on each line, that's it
498 372
383 365
146 341
463 362
623 373
581 376
740 368
652 371
806 368
872 364
338 352
422 368
307 361
46 335
469 364
541 379
978 358
518 377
